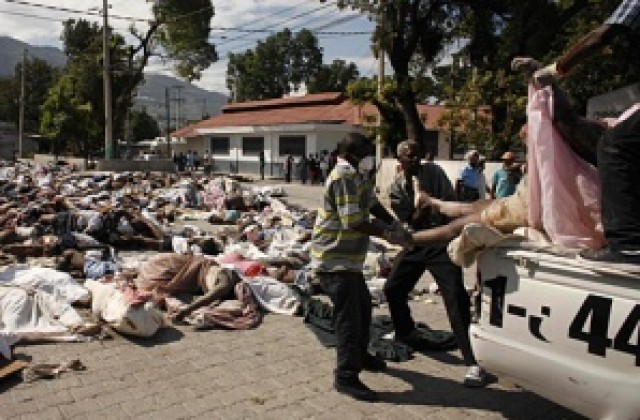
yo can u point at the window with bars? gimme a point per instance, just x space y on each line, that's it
293 145
219 145
252 146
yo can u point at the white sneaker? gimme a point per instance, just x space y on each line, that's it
476 377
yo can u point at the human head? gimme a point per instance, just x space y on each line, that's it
354 147
472 156
408 153
429 156
507 159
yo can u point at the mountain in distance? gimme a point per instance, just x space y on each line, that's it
194 102
11 51
187 102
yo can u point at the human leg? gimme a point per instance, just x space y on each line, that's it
457 303
446 232
458 208
397 289
351 318
618 157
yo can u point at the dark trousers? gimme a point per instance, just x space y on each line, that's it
351 318
619 168
261 171
448 276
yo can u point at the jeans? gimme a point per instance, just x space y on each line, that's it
448 276
351 319
619 169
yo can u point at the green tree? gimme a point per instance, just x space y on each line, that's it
143 126
408 28
179 32
539 29
9 94
39 78
66 121
392 128
83 73
280 63
334 77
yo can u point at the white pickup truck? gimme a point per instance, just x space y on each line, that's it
561 328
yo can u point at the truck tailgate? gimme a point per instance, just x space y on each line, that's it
562 330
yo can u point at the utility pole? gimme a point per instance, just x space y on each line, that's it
380 88
204 107
106 74
178 99
22 104
167 105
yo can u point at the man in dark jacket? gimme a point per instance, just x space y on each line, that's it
409 204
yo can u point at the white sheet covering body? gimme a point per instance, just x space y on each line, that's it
36 303
272 295
110 305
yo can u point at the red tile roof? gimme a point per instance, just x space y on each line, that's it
328 108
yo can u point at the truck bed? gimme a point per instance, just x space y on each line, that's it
561 327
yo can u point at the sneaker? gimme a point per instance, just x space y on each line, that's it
373 363
354 388
476 377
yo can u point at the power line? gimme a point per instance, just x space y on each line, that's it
262 19
319 34
27 15
40 17
272 31
74 11
308 12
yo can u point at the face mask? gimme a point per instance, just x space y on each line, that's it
366 165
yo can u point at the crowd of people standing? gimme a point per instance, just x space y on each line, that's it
315 168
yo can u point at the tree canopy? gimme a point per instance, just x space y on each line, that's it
178 33
458 53
39 77
143 126
334 77
282 63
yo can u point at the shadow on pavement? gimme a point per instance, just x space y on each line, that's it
435 391
15 378
442 356
164 336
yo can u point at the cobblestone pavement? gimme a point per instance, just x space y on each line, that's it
277 371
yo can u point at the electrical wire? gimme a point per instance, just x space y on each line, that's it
285 21
74 11
47 18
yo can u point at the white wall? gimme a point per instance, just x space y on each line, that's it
328 140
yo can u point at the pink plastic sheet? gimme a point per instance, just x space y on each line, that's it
246 267
564 190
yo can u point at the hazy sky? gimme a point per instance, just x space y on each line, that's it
45 27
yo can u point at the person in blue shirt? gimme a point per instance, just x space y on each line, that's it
469 182
505 178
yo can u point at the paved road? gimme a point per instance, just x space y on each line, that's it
277 371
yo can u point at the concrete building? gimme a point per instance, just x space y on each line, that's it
306 125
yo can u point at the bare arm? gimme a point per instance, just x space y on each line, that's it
587 46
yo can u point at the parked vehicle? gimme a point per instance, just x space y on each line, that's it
562 328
